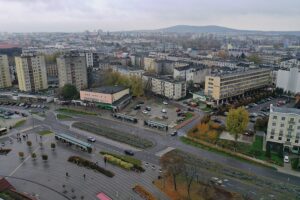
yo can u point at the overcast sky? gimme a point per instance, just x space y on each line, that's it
112 15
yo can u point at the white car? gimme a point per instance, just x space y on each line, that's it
286 159
165 103
91 139
145 111
164 111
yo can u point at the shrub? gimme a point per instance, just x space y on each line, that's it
89 164
4 151
45 157
29 143
116 161
143 193
21 154
53 145
33 155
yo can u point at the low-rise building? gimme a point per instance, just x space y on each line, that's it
128 71
289 80
110 97
165 86
227 85
284 127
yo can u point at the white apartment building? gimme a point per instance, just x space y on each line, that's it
284 127
230 84
165 86
5 79
89 59
72 69
195 73
31 72
289 80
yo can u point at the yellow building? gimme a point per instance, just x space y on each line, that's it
31 72
5 79
227 85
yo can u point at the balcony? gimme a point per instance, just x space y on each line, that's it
291 122
290 129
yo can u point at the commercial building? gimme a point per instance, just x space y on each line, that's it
31 72
110 97
165 86
231 84
289 80
72 69
5 79
284 127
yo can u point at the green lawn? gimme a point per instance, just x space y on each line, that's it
188 115
19 123
45 132
62 116
74 111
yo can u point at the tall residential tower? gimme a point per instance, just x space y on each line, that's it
31 72
5 79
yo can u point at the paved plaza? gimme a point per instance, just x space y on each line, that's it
45 179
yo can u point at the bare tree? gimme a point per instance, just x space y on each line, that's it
173 166
189 173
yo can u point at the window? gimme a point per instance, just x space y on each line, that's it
272 137
292 119
298 127
282 118
288 139
296 141
279 138
281 125
273 124
274 117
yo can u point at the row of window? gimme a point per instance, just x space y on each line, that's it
283 118
287 140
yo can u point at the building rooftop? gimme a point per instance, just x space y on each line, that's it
285 110
107 89
190 66
166 78
238 71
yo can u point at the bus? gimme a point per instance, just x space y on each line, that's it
3 131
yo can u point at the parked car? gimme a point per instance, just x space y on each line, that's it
165 103
129 152
191 109
91 139
145 112
148 108
178 109
137 107
165 117
286 159
164 111
140 102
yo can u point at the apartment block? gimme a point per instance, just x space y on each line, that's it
72 69
194 73
165 86
284 127
5 79
289 80
31 72
231 84
52 70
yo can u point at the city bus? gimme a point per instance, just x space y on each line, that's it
3 131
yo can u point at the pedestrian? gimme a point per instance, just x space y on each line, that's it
67 174
84 176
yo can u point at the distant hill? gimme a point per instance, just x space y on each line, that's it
218 29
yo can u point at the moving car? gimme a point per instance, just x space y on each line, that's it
129 152
174 133
91 139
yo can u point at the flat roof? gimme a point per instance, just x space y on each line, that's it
286 110
73 139
107 89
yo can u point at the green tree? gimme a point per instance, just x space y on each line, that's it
69 92
268 150
255 58
237 121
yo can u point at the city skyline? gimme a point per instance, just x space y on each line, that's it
116 15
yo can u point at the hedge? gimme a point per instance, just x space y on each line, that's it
129 139
89 164
143 193
131 163
4 151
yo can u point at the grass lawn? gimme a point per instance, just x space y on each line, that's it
188 115
19 123
112 134
45 132
74 111
198 145
62 116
